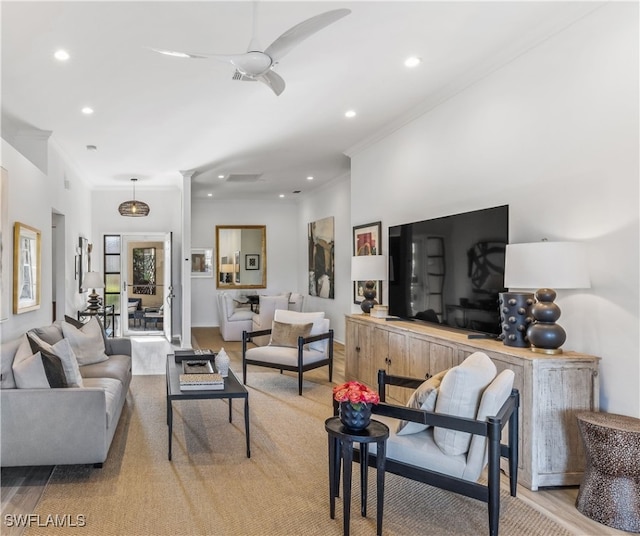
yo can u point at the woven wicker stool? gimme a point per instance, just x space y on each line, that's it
610 489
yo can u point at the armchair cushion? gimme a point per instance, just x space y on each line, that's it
424 397
283 355
287 334
490 404
459 395
319 324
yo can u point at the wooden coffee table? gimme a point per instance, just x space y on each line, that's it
232 389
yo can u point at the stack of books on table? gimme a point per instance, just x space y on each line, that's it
200 375
194 353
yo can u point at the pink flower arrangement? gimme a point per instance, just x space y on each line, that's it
355 392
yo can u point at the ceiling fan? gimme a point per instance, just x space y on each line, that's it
257 65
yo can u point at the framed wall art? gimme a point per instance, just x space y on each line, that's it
26 268
83 261
321 258
5 247
366 241
202 262
252 262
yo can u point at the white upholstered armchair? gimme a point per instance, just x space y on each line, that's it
298 342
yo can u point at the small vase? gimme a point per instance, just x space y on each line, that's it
355 419
222 363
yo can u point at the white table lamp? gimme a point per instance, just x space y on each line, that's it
93 280
368 268
546 266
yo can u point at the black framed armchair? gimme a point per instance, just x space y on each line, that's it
300 353
420 456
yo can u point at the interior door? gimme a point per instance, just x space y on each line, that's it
168 285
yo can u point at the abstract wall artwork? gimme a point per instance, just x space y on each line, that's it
321 258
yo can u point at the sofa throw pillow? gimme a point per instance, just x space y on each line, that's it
52 363
74 322
283 334
62 349
27 369
459 394
424 398
87 342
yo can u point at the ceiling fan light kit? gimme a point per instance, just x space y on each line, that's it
256 65
133 208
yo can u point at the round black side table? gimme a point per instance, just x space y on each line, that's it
341 441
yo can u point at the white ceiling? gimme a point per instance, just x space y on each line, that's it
156 115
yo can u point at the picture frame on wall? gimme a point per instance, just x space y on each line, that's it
252 262
202 262
366 241
27 268
83 261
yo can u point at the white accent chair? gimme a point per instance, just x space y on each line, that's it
449 444
234 316
308 353
268 304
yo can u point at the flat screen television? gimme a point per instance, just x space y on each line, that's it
449 270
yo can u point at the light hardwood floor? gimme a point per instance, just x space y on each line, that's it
22 487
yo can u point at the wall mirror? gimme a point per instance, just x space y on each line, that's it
241 256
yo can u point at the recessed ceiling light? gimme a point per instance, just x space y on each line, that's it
61 55
281 195
87 111
209 195
413 61
350 114
221 176
309 178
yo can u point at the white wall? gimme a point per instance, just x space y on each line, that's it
332 200
554 134
280 218
33 197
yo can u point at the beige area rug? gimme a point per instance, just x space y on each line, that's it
211 488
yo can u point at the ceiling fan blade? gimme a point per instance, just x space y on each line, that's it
273 80
178 54
295 35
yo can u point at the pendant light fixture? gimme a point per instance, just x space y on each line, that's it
133 208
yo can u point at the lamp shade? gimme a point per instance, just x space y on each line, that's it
92 280
546 264
228 268
368 268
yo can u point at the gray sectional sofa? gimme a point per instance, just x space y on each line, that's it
62 425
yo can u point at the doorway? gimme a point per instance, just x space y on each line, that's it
146 291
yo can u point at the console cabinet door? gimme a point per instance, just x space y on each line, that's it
358 356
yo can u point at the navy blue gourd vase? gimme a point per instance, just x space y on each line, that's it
355 419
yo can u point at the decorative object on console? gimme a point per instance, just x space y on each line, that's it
222 363
356 401
133 208
515 317
93 280
380 311
540 265
369 268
